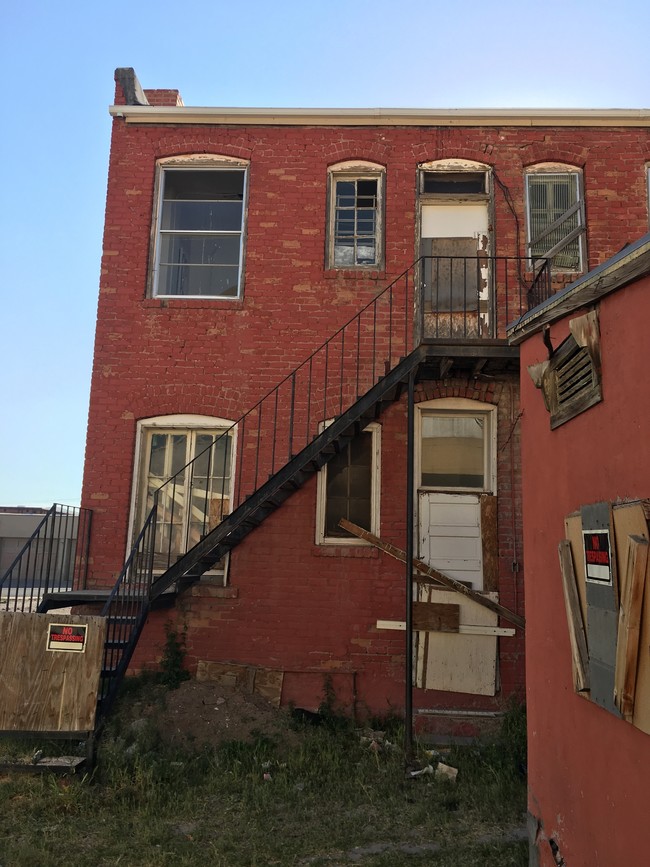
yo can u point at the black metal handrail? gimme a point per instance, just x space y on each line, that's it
54 558
476 297
466 298
285 420
126 611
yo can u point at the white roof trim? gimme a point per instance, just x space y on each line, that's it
384 116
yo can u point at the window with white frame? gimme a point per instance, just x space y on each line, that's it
456 451
200 231
348 487
556 218
355 217
187 462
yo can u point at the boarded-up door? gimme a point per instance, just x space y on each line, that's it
450 539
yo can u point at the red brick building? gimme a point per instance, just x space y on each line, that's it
586 472
240 247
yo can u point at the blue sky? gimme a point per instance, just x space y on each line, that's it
57 62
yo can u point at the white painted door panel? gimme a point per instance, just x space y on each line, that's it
450 535
450 540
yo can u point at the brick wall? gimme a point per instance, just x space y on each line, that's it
303 607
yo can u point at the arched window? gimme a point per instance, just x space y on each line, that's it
457 445
556 215
199 227
355 215
185 462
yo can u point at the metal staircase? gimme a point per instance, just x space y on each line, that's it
209 505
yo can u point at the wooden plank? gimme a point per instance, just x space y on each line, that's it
490 542
577 637
48 690
433 576
463 628
629 626
631 519
436 617
573 532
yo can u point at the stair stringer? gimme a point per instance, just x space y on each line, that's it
269 496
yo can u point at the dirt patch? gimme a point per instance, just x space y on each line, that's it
198 714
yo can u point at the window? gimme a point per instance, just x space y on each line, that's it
200 232
453 183
355 225
197 497
456 450
348 487
556 223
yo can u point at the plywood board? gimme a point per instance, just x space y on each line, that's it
435 617
48 690
573 532
490 539
456 663
629 626
630 520
577 636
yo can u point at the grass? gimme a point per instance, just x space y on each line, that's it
330 800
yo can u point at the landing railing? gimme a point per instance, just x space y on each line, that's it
54 558
471 298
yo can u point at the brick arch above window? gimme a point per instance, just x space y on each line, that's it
542 152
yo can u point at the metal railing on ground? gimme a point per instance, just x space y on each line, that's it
54 558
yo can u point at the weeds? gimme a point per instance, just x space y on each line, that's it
326 799
172 664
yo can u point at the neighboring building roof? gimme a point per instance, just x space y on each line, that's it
22 510
630 263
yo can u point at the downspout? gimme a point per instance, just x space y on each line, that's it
410 442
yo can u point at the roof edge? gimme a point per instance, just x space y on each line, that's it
630 263
383 116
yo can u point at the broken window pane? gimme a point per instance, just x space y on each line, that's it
355 222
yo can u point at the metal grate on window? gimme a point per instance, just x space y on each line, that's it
555 219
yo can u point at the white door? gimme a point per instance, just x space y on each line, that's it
450 535
455 452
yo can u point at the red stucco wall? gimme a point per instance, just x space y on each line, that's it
588 771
